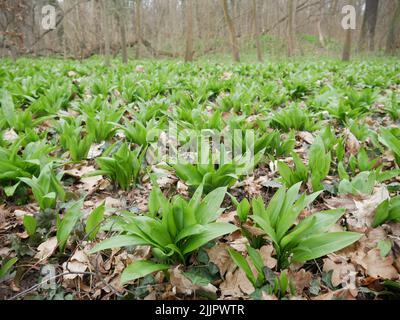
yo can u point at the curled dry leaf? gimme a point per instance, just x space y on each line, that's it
236 285
375 265
182 285
301 279
219 256
78 263
360 210
352 144
306 137
266 254
46 249
343 272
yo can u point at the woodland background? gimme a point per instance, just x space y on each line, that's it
191 29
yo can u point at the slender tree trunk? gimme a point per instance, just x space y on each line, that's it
107 33
367 38
291 27
189 31
120 17
257 32
394 30
138 27
347 45
232 32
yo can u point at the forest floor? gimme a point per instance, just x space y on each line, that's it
75 170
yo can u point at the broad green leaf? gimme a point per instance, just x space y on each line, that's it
119 242
209 209
6 266
243 264
211 232
140 269
30 225
320 245
67 224
93 222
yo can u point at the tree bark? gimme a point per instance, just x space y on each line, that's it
347 46
138 27
291 27
394 30
232 32
367 38
257 33
107 33
189 31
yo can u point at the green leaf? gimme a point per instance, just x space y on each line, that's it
211 232
140 269
30 225
381 214
68 223
385 246
9 191
93 222
322 244
209 209
7 266
119 242
243 264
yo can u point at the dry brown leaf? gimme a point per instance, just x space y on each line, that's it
377 266
219 255
301 279
306 136
343 272
338 294
182 285
236 285
266 254
46 249
352 144
360 210
78 263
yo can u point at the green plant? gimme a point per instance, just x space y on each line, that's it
305 241
30 224
391 139
94 220
363 183
19 120
317 169
139 133
213 176
388 210
362 162
392 106
293 118
265 279
46 188
75 141
123 167
66 225
100 124
174 229
6 267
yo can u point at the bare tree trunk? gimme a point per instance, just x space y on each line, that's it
347 45
107 34
392 41
232 32
291 27
319 23
189 31
138 27
367 38
257 32
120 16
